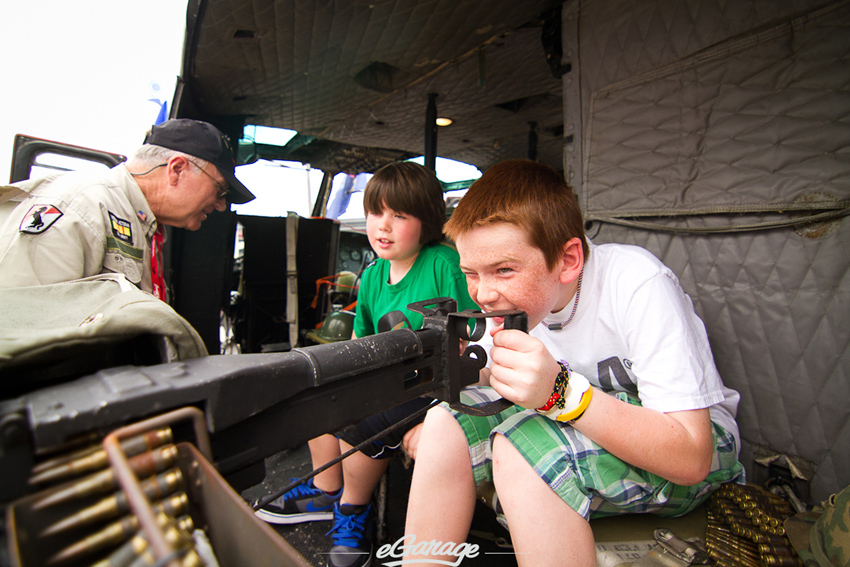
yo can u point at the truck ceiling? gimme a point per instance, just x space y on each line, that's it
354 78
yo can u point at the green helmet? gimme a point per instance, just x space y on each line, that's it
337 326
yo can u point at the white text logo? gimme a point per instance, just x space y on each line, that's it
410 550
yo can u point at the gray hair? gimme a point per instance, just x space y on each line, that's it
148 155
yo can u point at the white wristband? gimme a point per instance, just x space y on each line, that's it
574 397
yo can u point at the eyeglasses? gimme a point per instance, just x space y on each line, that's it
223 189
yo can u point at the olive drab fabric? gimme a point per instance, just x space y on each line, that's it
821 536
830 536
44 323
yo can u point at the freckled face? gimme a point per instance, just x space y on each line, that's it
504 271
394 236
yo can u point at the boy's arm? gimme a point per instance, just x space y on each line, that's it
677 446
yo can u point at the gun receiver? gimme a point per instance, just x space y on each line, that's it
255 404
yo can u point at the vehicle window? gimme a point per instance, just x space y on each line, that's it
49 163
346 200
280 187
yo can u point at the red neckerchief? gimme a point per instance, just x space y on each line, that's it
157 280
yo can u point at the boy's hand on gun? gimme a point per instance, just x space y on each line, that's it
521 368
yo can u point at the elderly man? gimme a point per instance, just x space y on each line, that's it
81 224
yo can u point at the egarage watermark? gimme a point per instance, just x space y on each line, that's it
407 551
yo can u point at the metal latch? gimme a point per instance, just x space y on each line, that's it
681 549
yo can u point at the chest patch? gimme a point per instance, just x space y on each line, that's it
121 228
39 218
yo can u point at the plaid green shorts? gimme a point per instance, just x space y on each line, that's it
592 481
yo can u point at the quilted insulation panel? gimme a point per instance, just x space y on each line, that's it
690 108
356 72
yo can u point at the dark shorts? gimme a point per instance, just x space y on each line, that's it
386 446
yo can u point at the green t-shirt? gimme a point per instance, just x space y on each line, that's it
435 273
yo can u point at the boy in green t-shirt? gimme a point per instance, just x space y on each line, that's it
405 213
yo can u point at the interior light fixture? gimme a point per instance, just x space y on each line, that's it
444 121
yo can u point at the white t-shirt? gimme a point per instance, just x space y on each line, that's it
635 330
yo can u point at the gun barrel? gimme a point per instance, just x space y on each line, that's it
297 395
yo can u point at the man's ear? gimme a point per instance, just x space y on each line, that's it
177 165
572 260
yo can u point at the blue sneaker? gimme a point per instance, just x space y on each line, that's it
304 503
352 536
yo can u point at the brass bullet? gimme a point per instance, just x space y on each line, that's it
189 559
774 549
736 548
138 550
155 488
174 506
781 561
146 559
119 531
95 460
64 458
112 534
192 559
185 524
732 511
74 448
719 551
718 527
736 541
178 534
143 465
127 553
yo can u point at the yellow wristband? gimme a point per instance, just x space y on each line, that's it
582 406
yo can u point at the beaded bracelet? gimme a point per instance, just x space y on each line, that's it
561 381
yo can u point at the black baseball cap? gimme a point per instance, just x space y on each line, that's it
204 141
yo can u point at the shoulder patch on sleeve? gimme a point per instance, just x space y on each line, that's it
39 218
121 229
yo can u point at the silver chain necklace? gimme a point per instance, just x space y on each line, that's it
559 326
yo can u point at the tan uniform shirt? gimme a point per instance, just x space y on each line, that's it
76 225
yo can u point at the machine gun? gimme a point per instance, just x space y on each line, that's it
256 404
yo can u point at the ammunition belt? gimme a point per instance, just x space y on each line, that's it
745 528
82 514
